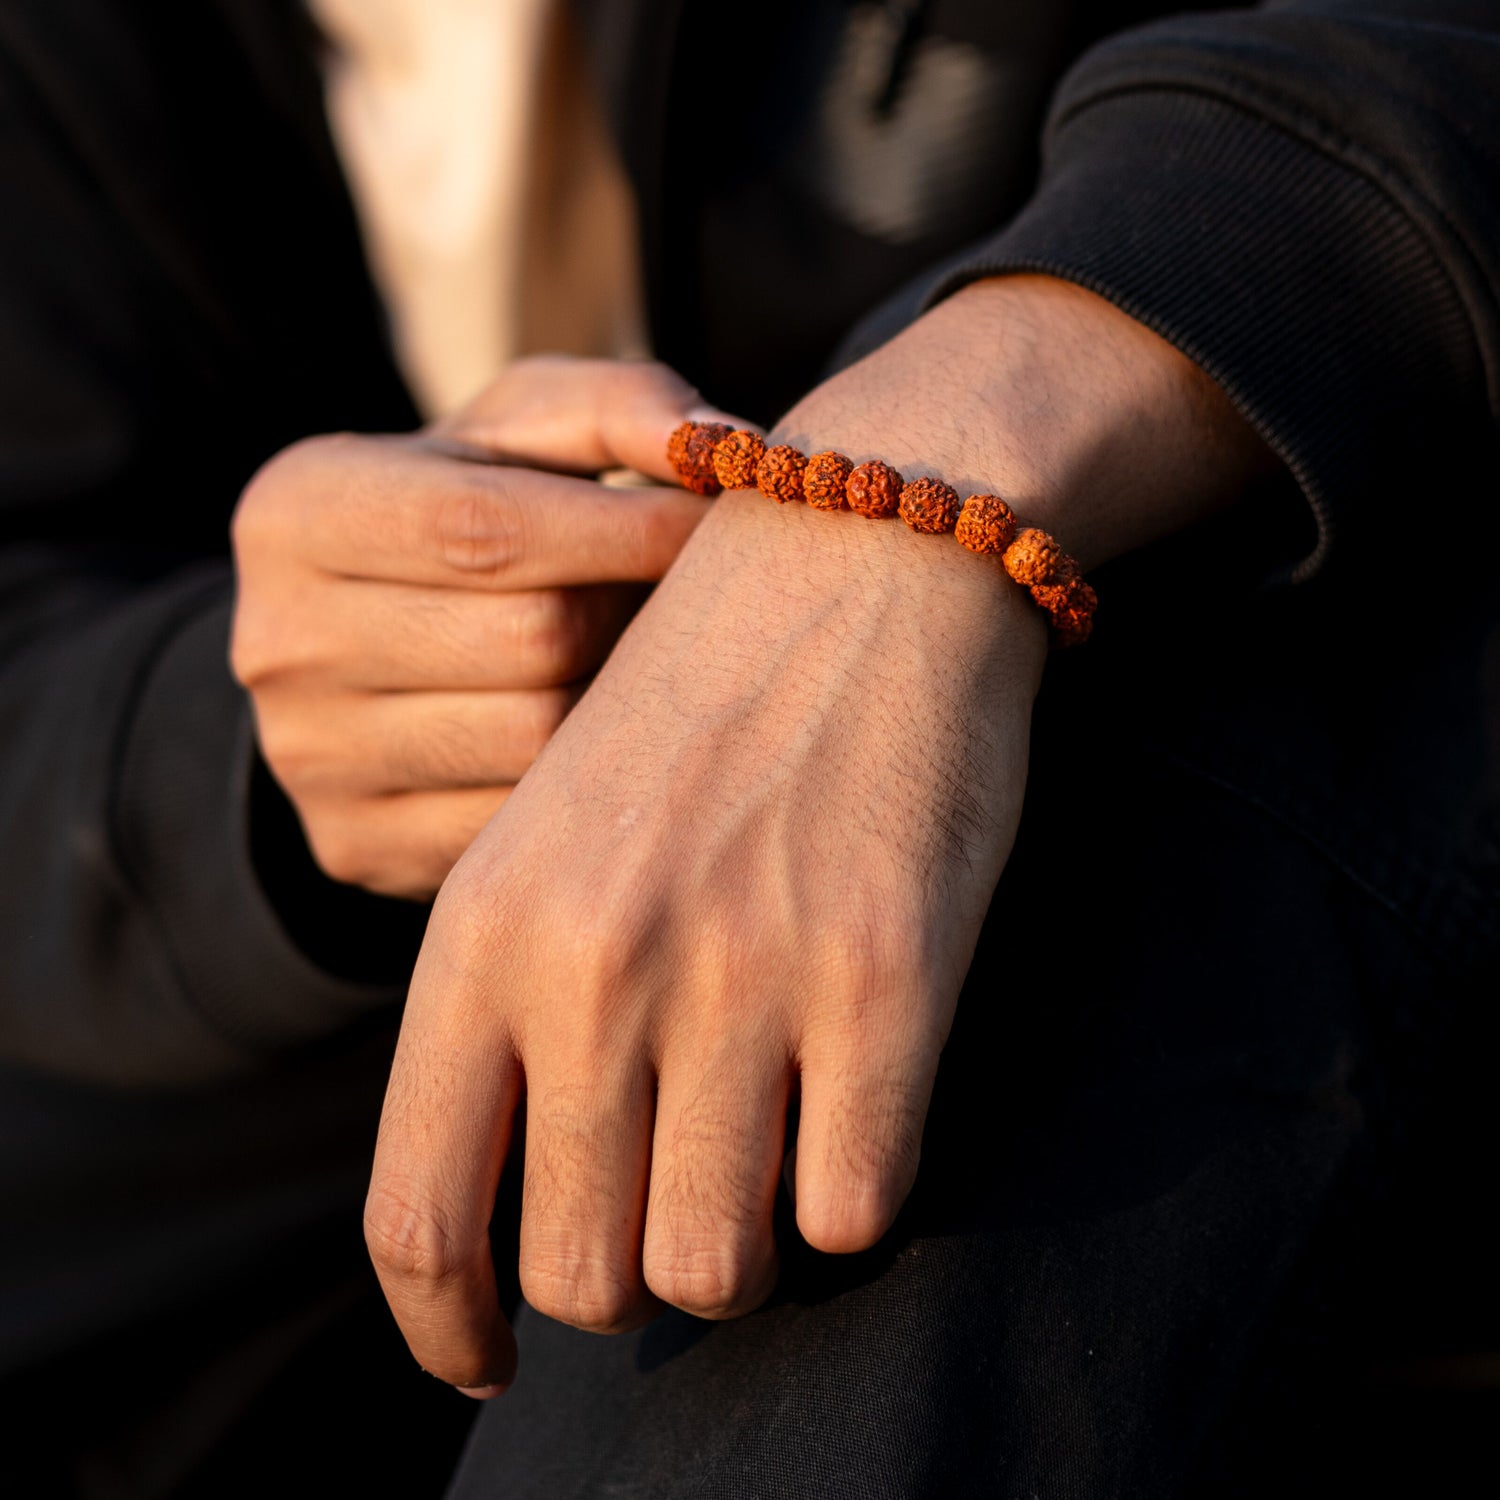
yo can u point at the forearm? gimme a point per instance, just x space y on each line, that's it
1302 196
1089 424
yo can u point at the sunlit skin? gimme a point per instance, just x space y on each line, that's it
755 857
416 615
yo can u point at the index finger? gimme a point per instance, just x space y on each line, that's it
401 513
444 1134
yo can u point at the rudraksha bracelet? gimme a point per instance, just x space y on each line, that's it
710 456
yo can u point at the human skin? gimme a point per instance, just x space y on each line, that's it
752 864
416 615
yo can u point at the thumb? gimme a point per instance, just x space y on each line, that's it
580 416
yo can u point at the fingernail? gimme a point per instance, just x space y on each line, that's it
481 1392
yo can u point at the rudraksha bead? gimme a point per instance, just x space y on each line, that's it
779 474
1035 558
690 451
707 455
873 489
986 524
736 458
1070 607
824 479
929 505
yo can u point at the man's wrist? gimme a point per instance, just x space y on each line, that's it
937 595
1091 425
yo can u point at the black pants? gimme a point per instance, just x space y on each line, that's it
1177 1095
1203 1153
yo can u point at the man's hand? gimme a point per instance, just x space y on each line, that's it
416 615
752 866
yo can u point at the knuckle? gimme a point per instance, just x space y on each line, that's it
583 1291
869 983
341 849
256 517
285 746
479 530
411 1241
472 910
249 654
272 641
706 1276
554 632
247 524
710 1215
268 501
867 947
602 948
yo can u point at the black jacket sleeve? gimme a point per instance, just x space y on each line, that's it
1305 198
181 293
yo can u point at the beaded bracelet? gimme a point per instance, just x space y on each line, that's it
710 456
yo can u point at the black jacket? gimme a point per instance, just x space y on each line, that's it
1304 196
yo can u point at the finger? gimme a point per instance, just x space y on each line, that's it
582 415
587 1157
716 1159
403 845
382 508
444 1133
377 744
858 1143
391 637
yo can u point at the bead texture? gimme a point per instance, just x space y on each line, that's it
824 479
709 455
929 505
1070 607
1035 558
874 489
736 459
779 474
690 451
986 524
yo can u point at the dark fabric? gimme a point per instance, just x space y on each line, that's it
193 1021
1308 203
1163 1239
181 294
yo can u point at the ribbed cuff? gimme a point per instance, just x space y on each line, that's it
1289 275
181 815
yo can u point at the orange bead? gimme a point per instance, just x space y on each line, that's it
1070 607
874 489
986 524
736 459
690 451
929 505
824 479
1036 558
779 474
